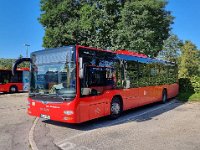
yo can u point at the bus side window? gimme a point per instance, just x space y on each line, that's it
119 74
98 71
17 78
6 75
1 78
132 73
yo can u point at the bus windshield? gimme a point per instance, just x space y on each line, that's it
53 74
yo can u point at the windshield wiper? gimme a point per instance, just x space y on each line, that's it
39 94
34 94
64 97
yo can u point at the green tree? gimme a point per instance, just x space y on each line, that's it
98 21
115 24
143 26
189 60
60 21
171 49
84 22
6 63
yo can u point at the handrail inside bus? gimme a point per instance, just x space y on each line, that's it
17 62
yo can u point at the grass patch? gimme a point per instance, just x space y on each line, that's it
189 96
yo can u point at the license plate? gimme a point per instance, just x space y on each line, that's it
45 116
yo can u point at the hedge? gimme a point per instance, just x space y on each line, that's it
191 84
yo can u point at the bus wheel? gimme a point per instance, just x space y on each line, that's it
13 89
164 96
115 108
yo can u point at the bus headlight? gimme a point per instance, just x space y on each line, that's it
33 103
68 112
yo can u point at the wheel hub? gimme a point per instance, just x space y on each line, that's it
115 108
13 89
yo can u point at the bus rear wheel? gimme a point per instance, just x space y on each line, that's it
164 96
13 89
115 108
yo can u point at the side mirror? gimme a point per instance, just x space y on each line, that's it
85 91
17 62
81 68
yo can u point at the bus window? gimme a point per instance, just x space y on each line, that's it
17 78
171 74
132 73
98 79
5 76
119 75
143 75
98 72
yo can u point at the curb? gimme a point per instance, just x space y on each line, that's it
30 136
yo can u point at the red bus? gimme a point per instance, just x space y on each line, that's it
75 84
17 83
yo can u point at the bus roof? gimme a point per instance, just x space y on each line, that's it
52 49
134 56
121 54
131 53
23 69
147 60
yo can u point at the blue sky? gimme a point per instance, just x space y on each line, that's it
186 23
19 24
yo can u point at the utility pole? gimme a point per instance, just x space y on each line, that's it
27 46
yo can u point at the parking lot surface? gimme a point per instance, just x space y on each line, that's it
173 126
14 123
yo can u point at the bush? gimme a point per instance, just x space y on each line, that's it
196 83
190 84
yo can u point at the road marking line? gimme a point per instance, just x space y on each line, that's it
71 146
115 122
67 146
31 137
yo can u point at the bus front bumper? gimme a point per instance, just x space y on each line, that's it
62 112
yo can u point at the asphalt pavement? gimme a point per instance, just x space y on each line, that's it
173 126
14 123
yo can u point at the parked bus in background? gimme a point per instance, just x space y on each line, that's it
75 84
17 83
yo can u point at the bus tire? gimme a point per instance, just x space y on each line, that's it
115 108
164 96
13 89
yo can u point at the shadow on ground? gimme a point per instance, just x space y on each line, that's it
127 116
